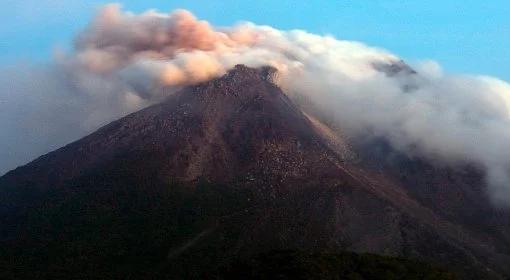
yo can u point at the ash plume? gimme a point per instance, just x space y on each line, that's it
123 62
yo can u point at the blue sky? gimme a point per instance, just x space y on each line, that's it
464 36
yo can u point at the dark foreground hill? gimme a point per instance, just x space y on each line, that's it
228 170
298 265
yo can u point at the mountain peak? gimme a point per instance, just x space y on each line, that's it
241 81
241 71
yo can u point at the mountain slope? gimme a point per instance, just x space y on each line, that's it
219 171
301 265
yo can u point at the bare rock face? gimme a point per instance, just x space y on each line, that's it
221 170
394 68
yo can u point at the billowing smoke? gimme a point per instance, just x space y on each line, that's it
123 62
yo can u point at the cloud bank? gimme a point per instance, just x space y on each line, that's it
123 62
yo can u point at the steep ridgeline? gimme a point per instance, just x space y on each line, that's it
219 172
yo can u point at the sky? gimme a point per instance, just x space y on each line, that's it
469 36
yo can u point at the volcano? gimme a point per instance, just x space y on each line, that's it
228 169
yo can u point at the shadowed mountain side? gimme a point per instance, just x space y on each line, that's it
301 265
